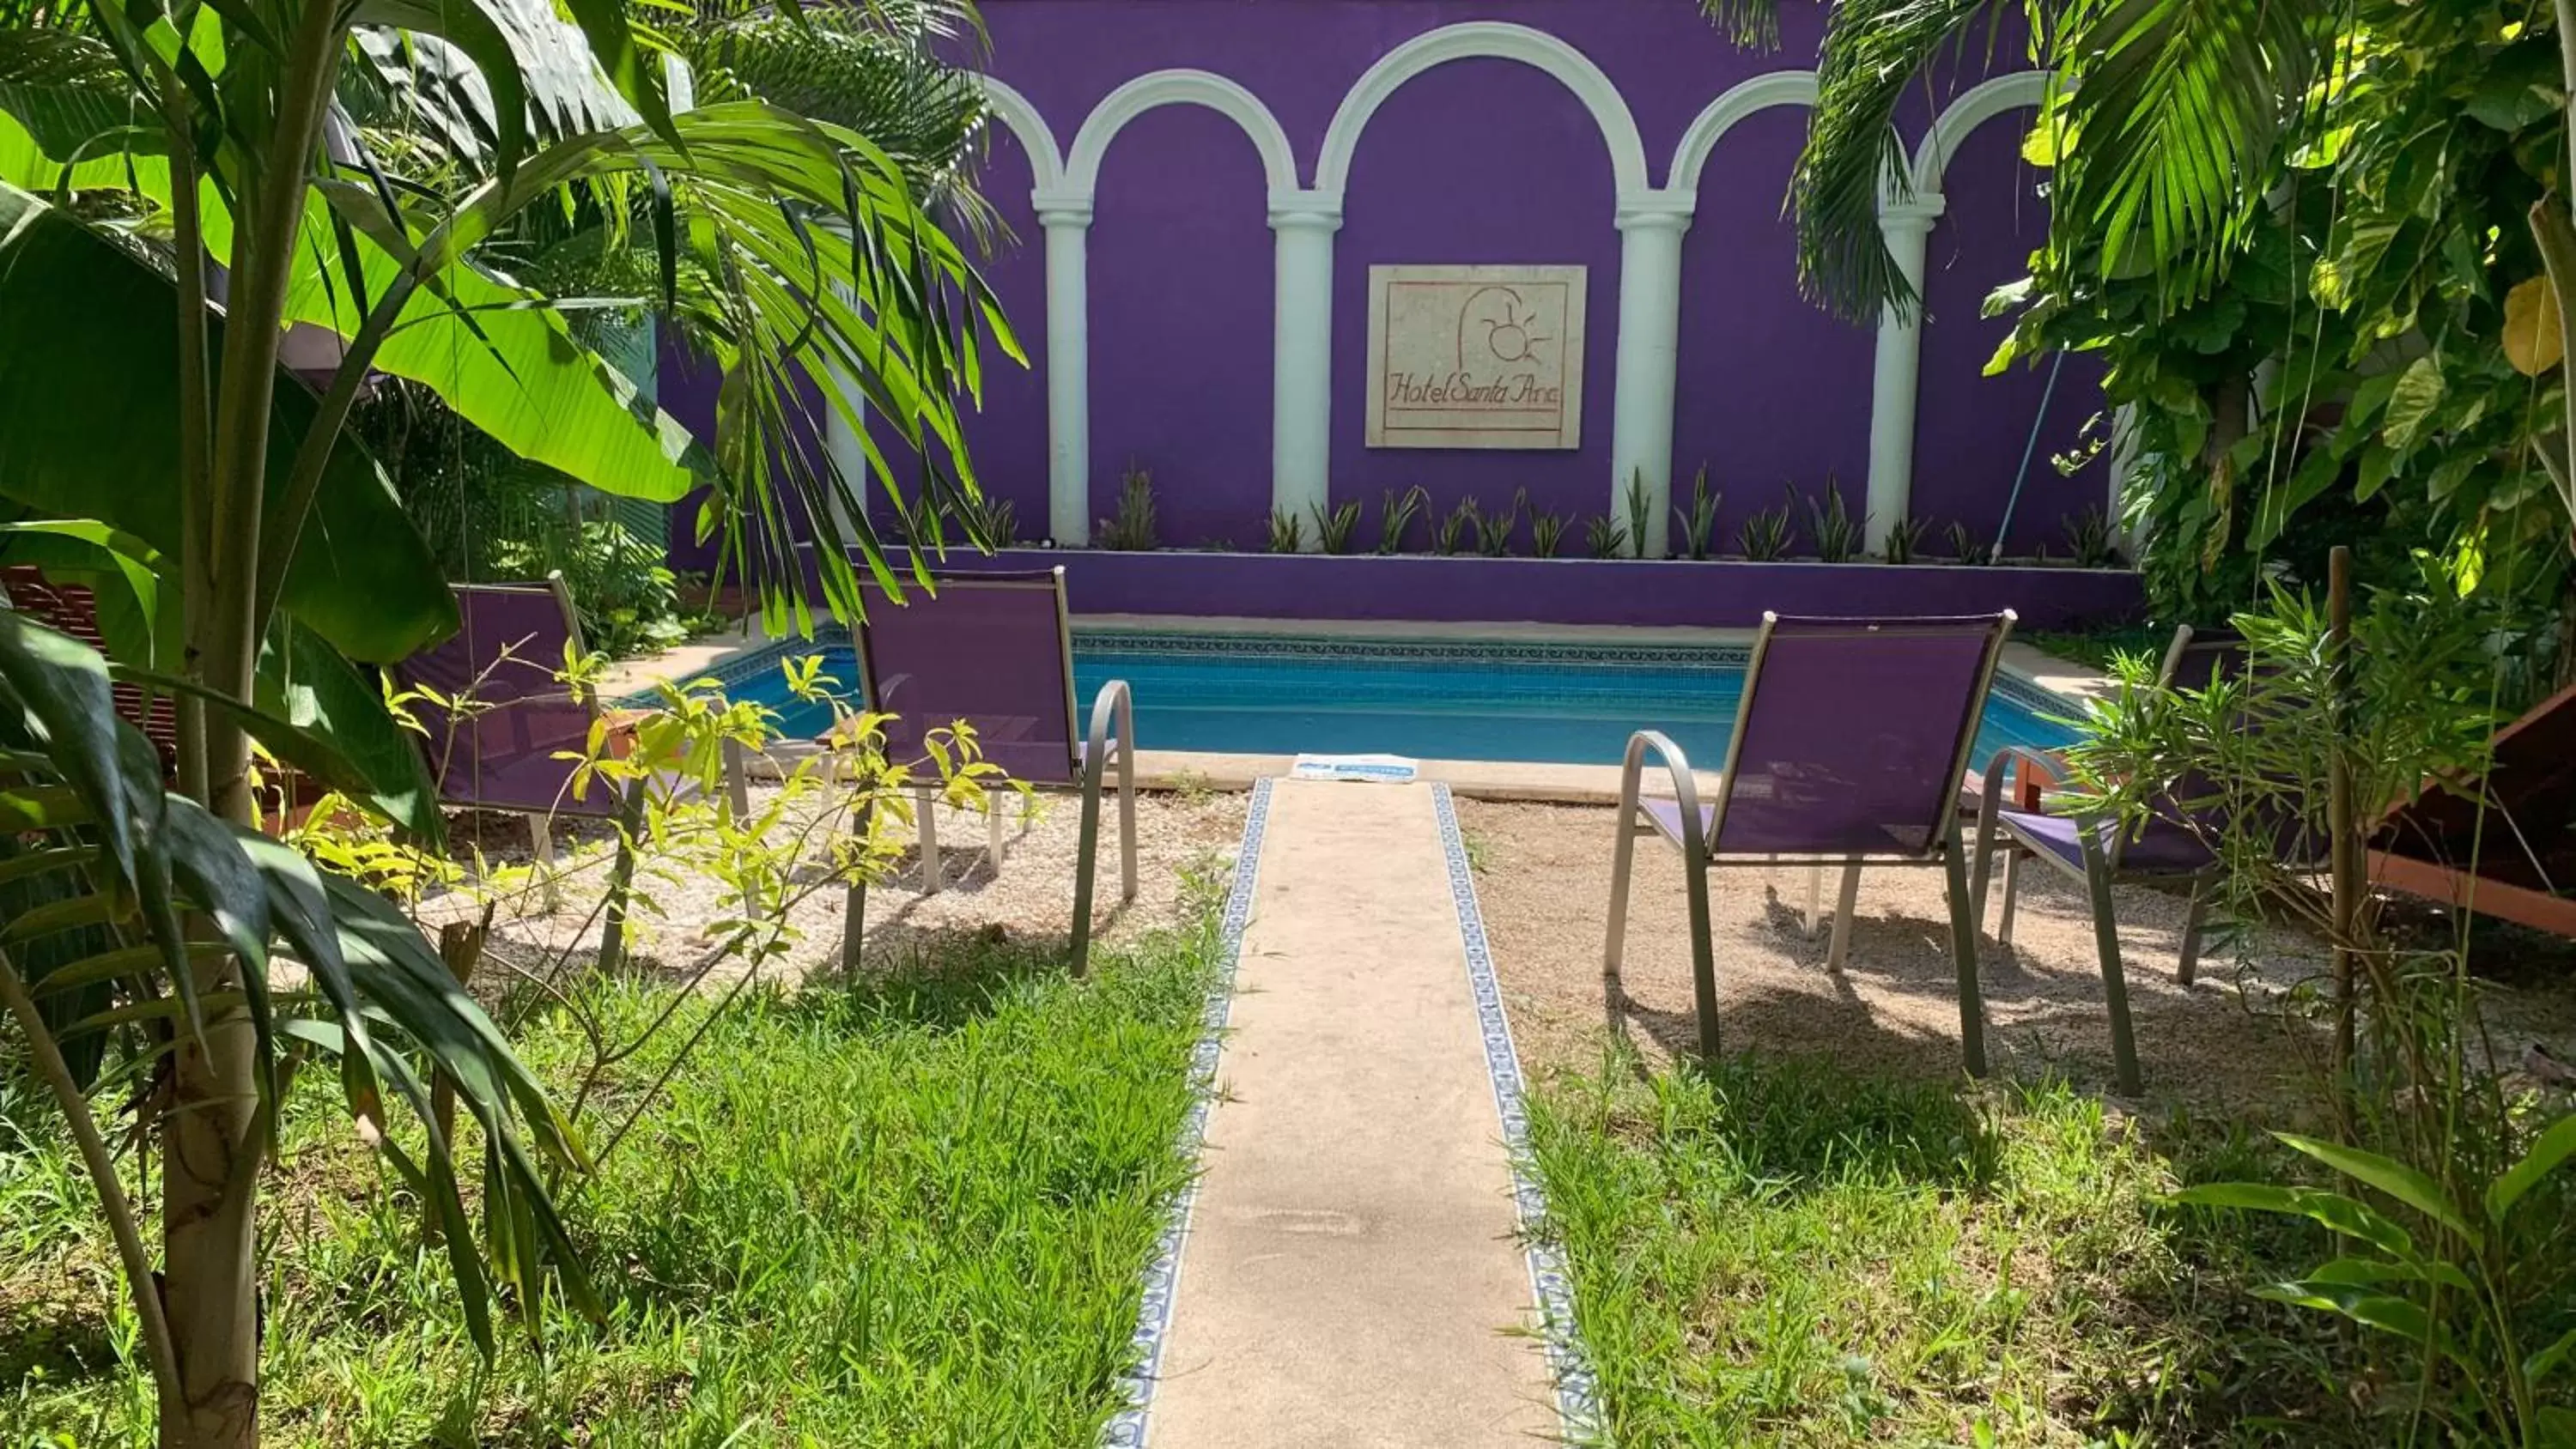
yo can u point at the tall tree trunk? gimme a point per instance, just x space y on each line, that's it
210 1154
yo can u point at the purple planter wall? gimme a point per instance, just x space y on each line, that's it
1420 589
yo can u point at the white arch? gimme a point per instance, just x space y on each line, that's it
1046 165
1179 88
1467 41
1743 99
1981 103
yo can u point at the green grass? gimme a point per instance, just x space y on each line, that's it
911 1212
1784 1252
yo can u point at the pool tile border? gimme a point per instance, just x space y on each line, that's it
1578 1403
1128 1427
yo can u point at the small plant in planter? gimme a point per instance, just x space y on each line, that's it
1701 521
1964 547
1396 518
1764 537
1287 531
1837 533
995 521
1547 534
1640 513
2089 534
1464 522
1494 530
1604 538
1905 539
1133 528
1336 530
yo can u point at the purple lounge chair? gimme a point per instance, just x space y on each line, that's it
1849 745
996 650
2171 847
504 657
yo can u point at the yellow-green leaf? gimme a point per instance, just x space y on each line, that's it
2532 341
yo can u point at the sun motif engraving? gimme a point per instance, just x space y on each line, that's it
1509 323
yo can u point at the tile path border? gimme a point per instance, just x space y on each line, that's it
1127 1428
1577 1391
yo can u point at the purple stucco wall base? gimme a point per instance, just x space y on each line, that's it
1431 589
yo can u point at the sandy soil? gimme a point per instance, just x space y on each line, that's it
1029 898
2240 1032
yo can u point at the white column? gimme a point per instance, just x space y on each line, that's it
1649 346
1651 225
1301 359
1067 220
1907 227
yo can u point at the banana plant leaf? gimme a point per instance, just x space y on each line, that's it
89 427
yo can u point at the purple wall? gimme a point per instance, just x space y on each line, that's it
1180 326
1008 452
1970 430
1481 160
1767 395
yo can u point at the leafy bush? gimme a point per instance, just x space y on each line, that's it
2440 1155
628 598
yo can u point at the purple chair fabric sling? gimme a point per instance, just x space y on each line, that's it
995 650
504 658
1849 745
2101 855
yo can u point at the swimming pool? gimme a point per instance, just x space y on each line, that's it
1546 703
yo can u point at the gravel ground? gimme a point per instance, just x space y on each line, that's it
1029 898
1544 884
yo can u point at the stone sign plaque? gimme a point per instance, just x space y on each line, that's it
1475 357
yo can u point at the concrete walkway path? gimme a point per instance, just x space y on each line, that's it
1351 1276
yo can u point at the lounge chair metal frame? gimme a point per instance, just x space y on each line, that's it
2100 865
1112 739
627 812
1944 849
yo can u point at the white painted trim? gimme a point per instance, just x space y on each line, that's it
1467 41
1742 100
1980 103
1179 88
1046 164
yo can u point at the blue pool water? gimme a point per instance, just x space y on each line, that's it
1574 704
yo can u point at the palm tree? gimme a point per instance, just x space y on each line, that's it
180 185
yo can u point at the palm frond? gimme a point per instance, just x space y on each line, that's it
1874 51
1753 24
2176 113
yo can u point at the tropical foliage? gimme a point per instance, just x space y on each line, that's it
2306 242
204 209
